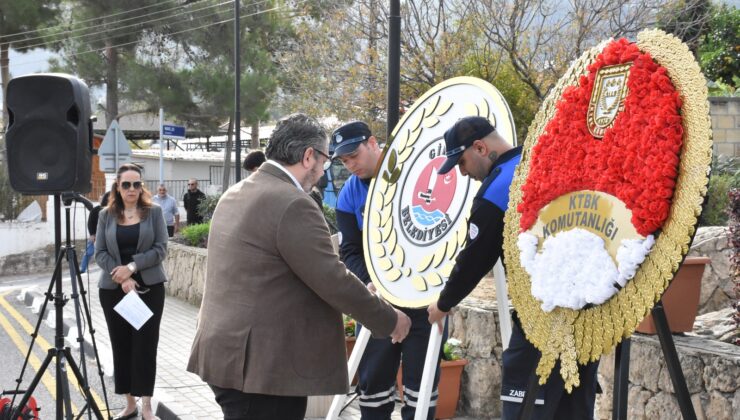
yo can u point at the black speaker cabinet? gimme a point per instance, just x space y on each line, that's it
49 135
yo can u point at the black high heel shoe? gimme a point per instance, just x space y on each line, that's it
132 415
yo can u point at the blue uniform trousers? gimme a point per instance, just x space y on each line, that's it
553 401
379 365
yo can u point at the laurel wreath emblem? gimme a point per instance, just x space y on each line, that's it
389 255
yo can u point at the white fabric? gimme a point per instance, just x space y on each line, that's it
574 268
282 168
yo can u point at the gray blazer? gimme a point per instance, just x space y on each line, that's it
150 251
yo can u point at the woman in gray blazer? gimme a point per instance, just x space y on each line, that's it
130 246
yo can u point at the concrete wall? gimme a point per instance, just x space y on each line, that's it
725 113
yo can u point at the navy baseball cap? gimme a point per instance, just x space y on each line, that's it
345 139
461 136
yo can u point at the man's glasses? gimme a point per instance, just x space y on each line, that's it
126 185
327 163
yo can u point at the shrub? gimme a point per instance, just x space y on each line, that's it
208 205
725 176
331 218
197 235
452 349
735 256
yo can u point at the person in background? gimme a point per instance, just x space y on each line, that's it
473 145
253 160
169 209
130 247
92 228
358 149
191 200
270 328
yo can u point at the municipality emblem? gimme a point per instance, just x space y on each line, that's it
607 98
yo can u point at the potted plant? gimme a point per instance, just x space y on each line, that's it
681 298
449 379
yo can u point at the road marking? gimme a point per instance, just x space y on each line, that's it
34 361
45 344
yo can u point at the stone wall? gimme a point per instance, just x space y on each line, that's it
717 283
725 113
711 369
186 272
41 260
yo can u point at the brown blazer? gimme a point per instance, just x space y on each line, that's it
271 317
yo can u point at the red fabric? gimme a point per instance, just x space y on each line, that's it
636 160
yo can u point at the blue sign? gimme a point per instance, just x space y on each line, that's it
173 131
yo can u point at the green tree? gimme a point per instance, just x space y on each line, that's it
20 22
719 53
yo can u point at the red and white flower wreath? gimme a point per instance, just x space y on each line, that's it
636 161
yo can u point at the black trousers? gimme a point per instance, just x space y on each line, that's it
170 230
237 405
134 352
552 402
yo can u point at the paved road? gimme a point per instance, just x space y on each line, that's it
17 322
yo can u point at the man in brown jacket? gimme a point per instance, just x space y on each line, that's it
270 327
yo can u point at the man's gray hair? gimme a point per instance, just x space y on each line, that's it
292 136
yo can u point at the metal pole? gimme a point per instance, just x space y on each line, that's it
161 149
621 380
237 88
394 65
115 150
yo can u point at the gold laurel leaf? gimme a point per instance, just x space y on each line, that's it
406 272
471 109
416 123
392 241
403 156
443 108
462 234
378 250
385 264
378 198
451 249
389 195
414 137
385 231
484 109
401 139
419 283
429 110
434 279
446 269
374 218
425 262
431 122
385 215
375 236
399 256
439 255
393 275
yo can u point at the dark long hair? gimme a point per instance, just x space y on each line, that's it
116 206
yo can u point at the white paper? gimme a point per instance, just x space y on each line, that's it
133 309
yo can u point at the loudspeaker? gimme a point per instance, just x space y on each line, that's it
49 135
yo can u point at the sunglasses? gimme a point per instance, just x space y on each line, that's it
126 185
327 163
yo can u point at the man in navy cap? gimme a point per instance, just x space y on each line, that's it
358 149
481 153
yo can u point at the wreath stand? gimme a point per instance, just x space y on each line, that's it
621 374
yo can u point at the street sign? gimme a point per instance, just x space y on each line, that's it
170 131
114 151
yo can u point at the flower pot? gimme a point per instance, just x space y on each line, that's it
448 388
681 299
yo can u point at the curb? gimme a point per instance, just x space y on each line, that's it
34 300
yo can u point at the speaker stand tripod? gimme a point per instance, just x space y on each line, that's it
60 354
621 374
